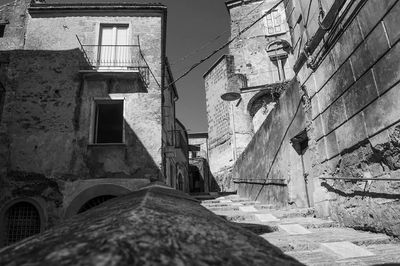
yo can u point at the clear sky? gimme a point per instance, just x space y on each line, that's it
191 24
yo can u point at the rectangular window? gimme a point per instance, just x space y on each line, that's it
114 49
109 121
2 30
274 22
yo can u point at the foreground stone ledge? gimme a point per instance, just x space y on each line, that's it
153 226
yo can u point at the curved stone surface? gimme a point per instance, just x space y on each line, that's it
153 226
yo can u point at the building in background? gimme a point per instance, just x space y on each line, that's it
181 175
201 179
258 67
83 117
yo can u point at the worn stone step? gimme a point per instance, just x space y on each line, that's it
227 201
238 216
384 254
258 229
215 206
312 241
306 222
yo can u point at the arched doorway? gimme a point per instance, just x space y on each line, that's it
92 196
20 219
95 202
180 182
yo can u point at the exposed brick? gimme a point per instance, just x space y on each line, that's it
352 132
360 94
392 22
334 115
383 112
387 69
369 52
372 13
332 148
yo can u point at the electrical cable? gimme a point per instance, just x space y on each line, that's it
216 38
225 45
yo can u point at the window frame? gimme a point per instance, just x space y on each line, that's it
38 203
99 34
281 25
3 30
93 117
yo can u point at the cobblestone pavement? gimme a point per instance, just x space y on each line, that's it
310 240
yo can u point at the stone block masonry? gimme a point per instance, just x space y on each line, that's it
347 121
354 116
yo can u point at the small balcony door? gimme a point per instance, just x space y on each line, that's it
114 49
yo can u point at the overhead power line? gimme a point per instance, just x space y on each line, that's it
225 45
203 46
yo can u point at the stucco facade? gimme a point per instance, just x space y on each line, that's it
74 125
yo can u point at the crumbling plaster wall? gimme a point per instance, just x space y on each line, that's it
354 115
14 16
45 126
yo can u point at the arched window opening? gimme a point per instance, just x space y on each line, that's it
95 202
22 220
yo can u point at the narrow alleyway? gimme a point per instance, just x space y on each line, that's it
310 240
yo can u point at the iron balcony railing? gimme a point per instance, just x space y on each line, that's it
115 57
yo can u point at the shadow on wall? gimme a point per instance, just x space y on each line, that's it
57 124
52 135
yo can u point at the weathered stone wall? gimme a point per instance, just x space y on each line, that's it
219 121
270 157
14 16
47 123
354 112
250 49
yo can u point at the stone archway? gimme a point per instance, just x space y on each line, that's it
31 217
91 193
259 106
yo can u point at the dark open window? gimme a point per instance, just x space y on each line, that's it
22 220
2 99
109 121
2 30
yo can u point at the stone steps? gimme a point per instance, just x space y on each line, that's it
313 240
383 254
310 240
240 216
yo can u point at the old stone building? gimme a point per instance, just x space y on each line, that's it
332 140
87 109
201 179
258 65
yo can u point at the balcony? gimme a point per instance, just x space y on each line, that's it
125 61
